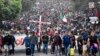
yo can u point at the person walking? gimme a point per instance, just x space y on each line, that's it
66 41
80 44
33 42
72 43
84 35
57 43
39 43
52 44
7 44
72 39
94 41
27 44
12 43
62 46
45 40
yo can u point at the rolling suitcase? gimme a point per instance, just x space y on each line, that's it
28 51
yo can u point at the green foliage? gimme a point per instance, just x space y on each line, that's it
10 9
27 5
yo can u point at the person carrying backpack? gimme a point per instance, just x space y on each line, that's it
27 44
45 39
33 41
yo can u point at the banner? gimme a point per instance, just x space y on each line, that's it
91 4
19 41
94 20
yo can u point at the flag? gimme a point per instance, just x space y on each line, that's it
64 19
61 15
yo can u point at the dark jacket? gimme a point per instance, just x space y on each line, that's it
33 40
45 39
57 40
7 40
13 40
72 40
93 39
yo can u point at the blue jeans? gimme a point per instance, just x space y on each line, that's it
45 48
57 51
32 48
67 50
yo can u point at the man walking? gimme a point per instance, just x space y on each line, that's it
12 43
66 40
7 44
45 39
33 42
57 43
27 44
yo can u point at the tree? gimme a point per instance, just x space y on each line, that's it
27 4
10 9
81 4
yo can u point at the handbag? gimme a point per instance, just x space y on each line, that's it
96 45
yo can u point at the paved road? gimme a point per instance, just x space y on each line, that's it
36 54
22 53
39 54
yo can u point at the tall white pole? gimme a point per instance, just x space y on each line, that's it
40 25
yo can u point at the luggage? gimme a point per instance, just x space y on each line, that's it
28 51
72 52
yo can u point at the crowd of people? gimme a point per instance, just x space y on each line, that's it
62 43
87 42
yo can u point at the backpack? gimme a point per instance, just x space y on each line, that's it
27 42
84 36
